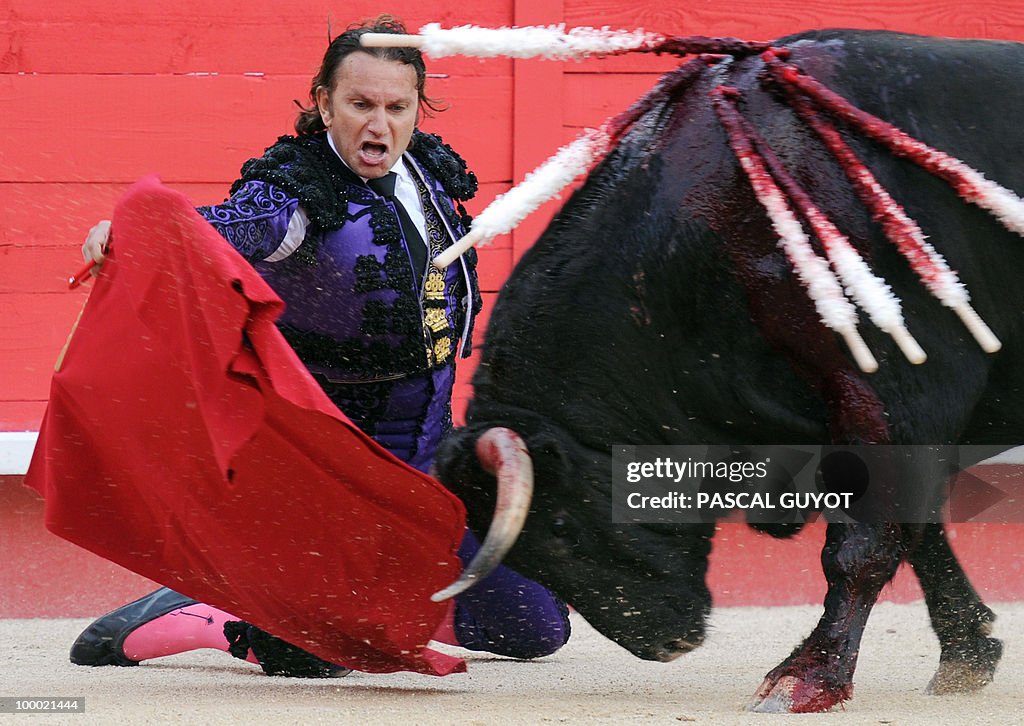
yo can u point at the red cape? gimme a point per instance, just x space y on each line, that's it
185 441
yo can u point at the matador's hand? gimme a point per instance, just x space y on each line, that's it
94 249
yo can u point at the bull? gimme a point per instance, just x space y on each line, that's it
658 308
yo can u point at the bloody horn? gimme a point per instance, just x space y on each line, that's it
501 452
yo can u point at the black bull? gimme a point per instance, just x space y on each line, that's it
657 308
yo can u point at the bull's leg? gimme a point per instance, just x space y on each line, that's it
858 560
960 619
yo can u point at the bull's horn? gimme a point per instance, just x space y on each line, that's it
501 452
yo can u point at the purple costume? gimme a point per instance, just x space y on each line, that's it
380 337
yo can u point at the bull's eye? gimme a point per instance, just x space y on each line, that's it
561 528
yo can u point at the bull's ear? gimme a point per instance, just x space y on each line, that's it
550 455
456 464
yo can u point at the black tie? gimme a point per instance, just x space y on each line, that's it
385 186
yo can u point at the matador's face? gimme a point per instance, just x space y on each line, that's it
371 112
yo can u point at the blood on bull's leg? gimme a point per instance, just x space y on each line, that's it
959 618
858 560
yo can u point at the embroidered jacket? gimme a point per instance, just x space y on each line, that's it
353 309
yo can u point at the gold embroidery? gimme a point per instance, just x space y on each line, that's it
434 286
442 349
436 319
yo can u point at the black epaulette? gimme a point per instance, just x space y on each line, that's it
445 164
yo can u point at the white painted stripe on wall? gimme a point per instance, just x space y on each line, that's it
16 451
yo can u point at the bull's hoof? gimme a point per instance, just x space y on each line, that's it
958 674
790 694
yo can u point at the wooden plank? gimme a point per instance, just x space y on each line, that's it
486 194
37 269
230 36
768 19
495 263
33 329
591 98
537 115
478 123
200 128
60 215
238 37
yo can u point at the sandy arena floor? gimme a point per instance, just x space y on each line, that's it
591 681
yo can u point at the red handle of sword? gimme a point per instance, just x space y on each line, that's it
79 277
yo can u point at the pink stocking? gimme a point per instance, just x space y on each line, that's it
188 628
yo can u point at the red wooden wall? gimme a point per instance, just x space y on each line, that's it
96 93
